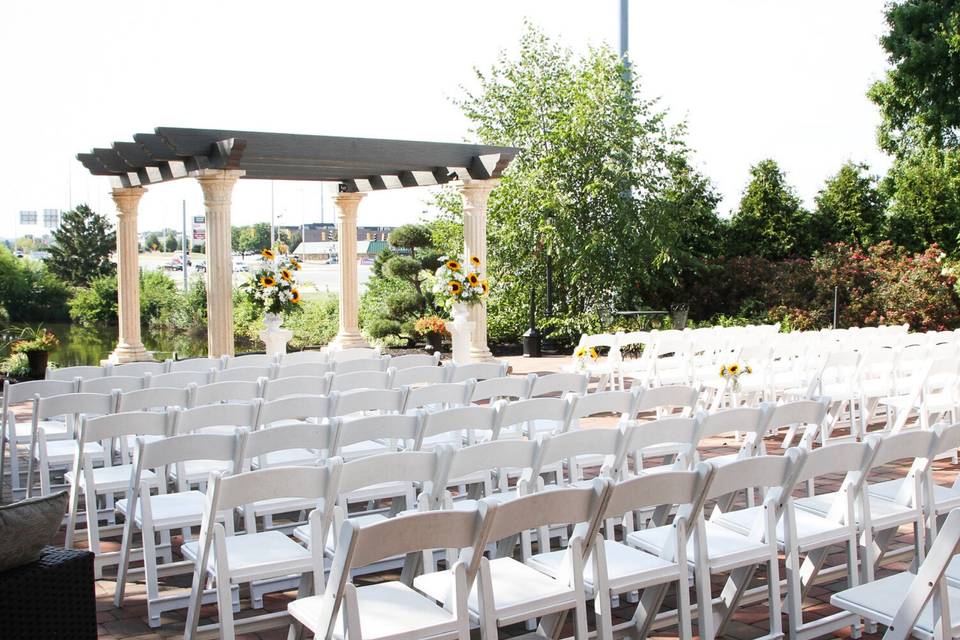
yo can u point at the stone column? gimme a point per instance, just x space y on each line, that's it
217 185
348 337
475 194
129 344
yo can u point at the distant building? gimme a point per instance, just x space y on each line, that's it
327 232
328 250
38 224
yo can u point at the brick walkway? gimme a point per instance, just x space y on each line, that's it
130 621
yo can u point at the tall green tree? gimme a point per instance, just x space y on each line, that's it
924 191
81 247
770 222
171 244
919 98
589 189
152 241
851 208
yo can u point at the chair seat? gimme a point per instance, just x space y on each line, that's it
627 568
257 556
53 429
112 479
516 586
63 451
386 610
726 549
813 530
879 601
171 510
884 514
945 498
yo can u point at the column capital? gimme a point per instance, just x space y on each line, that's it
347 202
477 190
127 199
217 184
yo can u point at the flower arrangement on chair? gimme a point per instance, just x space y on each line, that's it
459 281
271 287
732 373
584 356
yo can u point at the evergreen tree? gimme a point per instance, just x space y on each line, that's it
171 244
152 243
81 247
770 223
850 208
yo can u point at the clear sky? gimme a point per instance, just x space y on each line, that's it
753 78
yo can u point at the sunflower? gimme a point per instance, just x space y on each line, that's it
286 275
723 371
593 354
749 369
580 352
453 265
485 286
268 254
294 296
267 281
454 287
295 264
473 279
475 261
734 369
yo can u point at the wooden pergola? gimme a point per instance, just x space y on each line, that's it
218 158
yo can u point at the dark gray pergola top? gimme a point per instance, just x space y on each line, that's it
358 164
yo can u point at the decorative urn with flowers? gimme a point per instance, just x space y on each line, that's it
433 329
36 344
272 289
459 285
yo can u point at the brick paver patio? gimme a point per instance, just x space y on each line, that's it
130 621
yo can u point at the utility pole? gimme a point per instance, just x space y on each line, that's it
185 247
625 37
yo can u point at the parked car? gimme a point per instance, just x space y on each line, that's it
239 266
200 266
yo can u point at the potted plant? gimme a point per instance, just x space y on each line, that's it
36 344
433 329
460 284
272 289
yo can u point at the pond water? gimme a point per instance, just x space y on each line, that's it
84 345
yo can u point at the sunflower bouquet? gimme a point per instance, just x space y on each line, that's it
732 373
271 287
585 355
459 281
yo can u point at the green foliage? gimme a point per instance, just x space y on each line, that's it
924 191
162 306
171 244
251 238
411 237
95 304
770 221
152 242
29 292
316 324
446 229
919 98
597 186
82 246
851 208
16 365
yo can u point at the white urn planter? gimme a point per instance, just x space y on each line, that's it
460 329
274 337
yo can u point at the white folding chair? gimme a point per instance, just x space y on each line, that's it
619 404
153 399
808 417
501 388
351 404
419 376
83 371
257 360
138 369
411 360
243 374
456 426
368 435
224 419
196 365
227 392
313 369
392 610
361 380
266 560
291 410
106 384
304 357
480 371
182 379
378 363
437 397
530 418
159 513
359 353
558 385
295 386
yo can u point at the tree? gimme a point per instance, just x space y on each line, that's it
590 189
850 208
924 191
919 98
152 242
82 246
770 222
171 244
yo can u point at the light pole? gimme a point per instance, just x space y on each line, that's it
625 37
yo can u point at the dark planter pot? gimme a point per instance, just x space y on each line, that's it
38 363
434 342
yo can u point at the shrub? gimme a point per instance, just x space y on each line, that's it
29 292
316 324
95 304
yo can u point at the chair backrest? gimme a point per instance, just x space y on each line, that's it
749 420
406 466
224 392
295 386
304 435
343 355
196 365
178 378
302 408
558 384
948 437
776 472
641 435
82 371
534 409
258 360
457 419
212 416
106 384
26 391
842 457
915 444
364 400
139 368
621 403
154 454
71 404
583 442
430 374
360 380
495 454
500 388
304 357
682 488
231 491
439 396
412 360
313 369
405 428
480 371
667 398
243 374
378 363
154 398
132 423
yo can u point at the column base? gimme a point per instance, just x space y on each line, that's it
481 354
129 353
348 340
